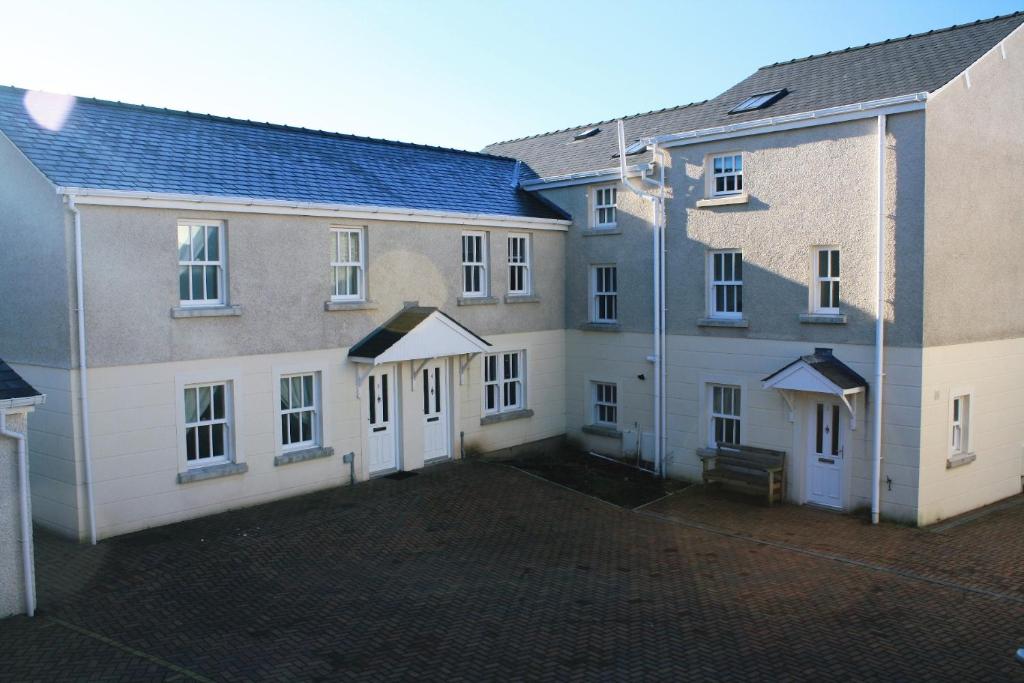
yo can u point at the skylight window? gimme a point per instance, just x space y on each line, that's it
588 133
759 101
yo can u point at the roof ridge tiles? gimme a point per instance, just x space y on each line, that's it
600 123
887 41
271 125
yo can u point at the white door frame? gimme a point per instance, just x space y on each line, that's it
809 449
394 418
443 417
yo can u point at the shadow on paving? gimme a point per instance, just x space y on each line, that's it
478 572
616 483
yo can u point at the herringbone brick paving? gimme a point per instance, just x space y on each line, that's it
473 572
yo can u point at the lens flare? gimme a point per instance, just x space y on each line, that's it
47 109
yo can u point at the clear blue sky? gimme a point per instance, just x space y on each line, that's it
445 72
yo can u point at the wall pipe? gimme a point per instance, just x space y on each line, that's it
28 565
876 408
83 379
657 248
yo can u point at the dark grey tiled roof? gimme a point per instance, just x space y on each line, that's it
830 367
114 146
396 327
901 66
12 385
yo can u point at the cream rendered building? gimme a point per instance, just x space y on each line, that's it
263 311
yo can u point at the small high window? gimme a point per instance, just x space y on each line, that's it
200 263
960 426
759 101
826 279
726 175
347 265
606 404
474 264
605 199
519 265
726 285
604 294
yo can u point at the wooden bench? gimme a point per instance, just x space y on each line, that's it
749 469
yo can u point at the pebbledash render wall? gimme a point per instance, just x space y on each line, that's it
776 230
974 328
138 354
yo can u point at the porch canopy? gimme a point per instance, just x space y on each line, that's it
819 372
416 333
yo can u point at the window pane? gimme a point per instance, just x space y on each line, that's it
285 394
284 431
294 429
738 265
822 263
204 441
183 280
184 244
203 394
354 245
835 263
307 425
353 281
835 430
384 405
213 243
307 391
491 395
191 414
826 295
835 294
818 428
373 400
212 290
219 445
198 243
190 444
296 386
197 282
218 402
426 392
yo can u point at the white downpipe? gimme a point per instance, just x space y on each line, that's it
657 284
83 379
28 565
663 376
876 408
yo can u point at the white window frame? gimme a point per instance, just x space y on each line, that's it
714 283
730 160
737 395
600 399
599 289
605 213
480 262
316 432
501 379
337 261
225 420
830 280
520 258
958 436
191 263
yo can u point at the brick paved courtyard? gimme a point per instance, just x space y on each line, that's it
476 571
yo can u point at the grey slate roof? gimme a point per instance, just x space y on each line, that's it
114 146
901 66
396 327
12 385
830 367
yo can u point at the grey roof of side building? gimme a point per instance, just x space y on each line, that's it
115 146
12 386
901 66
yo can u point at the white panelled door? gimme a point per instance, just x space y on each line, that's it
434 389
382 454
825 454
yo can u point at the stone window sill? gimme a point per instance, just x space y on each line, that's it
315 453
601 327
212 472
723 322
476 300
960 460
728 200
506 417
522 299
205 311
823 319
602 430
350 305
594 232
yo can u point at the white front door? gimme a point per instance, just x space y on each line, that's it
434 390
382 454
825 454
